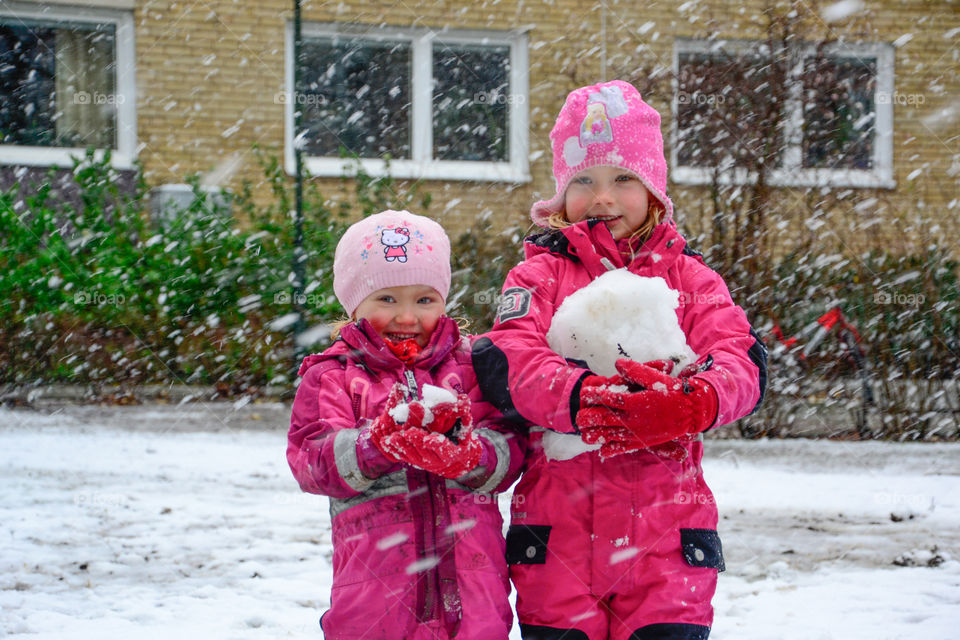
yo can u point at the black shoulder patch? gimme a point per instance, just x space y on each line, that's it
490 365
758 355
553 241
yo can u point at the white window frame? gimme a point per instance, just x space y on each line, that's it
125 152
421 164
792 173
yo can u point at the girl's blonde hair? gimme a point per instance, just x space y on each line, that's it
655 211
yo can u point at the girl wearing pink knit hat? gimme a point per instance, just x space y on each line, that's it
615 537
390 424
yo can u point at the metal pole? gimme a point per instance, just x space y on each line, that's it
299 256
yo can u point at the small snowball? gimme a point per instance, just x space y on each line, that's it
432 395
400 413
564 446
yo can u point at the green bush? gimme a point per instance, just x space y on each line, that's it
97 292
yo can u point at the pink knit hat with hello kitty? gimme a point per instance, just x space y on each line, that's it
390 249
606 124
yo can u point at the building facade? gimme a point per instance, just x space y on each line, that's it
463 96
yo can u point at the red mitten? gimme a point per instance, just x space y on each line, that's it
435 452
450 418
397 415
655 407
616 441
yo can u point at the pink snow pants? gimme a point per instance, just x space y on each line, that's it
624 549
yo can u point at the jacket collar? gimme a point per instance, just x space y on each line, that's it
369 348
591 244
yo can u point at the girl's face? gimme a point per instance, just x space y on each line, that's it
611 194
401 313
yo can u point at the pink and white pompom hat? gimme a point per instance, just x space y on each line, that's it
606 124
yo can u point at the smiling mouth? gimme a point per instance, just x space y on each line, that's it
400 337
605 218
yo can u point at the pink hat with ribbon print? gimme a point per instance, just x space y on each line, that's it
606 124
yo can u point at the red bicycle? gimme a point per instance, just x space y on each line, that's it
833 323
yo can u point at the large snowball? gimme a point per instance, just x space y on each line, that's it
620 315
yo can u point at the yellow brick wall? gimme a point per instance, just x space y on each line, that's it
208 74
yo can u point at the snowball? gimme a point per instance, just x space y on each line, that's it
400 413
432 396
564 446
620 315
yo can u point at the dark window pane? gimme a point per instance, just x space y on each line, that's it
471 95
728 110
355 94
839 115
57 84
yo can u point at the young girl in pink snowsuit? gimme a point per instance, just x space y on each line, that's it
390 423
619 542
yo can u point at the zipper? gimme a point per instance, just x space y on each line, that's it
411 385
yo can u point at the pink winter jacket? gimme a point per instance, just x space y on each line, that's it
428 549
525 378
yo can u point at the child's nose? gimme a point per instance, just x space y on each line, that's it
603 193
405 315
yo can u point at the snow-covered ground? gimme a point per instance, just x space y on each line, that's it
167 522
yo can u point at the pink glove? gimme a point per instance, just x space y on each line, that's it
646 402
434 452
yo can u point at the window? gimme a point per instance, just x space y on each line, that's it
66 81
809 116
448 105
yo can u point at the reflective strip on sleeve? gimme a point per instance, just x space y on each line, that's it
502 449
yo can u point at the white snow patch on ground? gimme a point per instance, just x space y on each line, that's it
153 531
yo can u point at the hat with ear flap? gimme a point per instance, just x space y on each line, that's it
606 124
